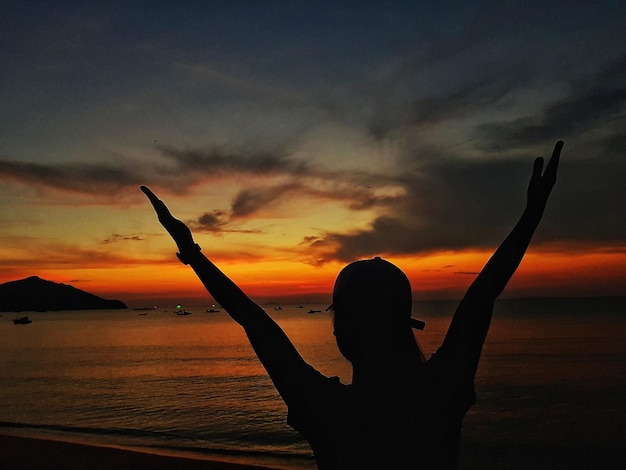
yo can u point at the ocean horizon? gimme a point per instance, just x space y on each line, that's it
550 384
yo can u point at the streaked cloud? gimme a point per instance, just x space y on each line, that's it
82 178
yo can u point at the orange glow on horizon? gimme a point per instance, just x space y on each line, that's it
434 276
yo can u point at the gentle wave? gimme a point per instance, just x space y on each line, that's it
174 441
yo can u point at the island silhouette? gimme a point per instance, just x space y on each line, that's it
34 294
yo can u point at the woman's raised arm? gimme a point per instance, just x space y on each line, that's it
276 352
471 321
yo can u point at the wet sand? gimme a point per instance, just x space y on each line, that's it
25 453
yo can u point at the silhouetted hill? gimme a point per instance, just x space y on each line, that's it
36 294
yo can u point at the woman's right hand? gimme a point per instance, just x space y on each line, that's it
176 228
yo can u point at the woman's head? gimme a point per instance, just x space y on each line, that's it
373 281
370 297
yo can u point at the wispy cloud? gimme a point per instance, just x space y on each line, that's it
593 103
65 255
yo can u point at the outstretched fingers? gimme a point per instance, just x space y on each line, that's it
151 196
146 190
159 206
176 228
553 164
540 185
537 168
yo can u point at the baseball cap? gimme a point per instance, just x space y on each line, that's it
375 281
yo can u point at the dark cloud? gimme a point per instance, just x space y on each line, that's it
470 96
462 204
593 103
116 237
190 168
250 201
426 88
98 178
351 188
210 221
217 162
590 199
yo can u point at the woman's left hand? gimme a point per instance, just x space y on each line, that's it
540 185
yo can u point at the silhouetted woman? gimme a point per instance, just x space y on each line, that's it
400 411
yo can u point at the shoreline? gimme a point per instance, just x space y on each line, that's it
37 453
34 453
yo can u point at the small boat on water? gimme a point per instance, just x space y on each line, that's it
181 311
22 321
314 311
213 310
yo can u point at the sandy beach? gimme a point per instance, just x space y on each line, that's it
25 453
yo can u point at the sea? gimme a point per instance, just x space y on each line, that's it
551 385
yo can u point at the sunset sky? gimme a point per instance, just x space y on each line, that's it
295 137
